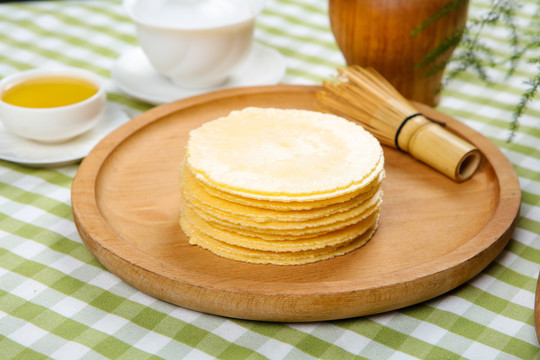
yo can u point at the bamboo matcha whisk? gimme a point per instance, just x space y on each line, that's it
363 95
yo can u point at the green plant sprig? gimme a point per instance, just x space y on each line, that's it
526 97
445 10
474 56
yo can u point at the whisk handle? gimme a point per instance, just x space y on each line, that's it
439 148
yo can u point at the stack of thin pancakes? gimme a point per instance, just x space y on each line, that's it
265 185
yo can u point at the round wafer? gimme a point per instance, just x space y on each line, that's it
271 257
288 244
281 186
286 155
199 197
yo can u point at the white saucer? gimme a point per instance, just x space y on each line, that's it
32 153
135 76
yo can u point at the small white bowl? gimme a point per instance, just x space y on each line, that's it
52 124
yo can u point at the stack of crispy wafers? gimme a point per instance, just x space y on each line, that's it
281 186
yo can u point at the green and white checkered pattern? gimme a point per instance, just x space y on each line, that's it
57 301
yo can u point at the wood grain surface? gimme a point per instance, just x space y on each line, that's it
537 310
397 38
434 234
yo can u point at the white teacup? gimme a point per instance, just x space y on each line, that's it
50 115
195 43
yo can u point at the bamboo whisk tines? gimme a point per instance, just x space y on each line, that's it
363 95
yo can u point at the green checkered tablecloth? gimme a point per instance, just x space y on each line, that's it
57 301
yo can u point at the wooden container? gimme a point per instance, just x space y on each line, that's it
537 310
383 34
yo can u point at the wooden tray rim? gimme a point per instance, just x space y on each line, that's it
481 249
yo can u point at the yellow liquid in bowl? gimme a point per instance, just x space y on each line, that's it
48 92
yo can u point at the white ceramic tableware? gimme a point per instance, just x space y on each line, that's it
195 43
46 154
52 124
135 76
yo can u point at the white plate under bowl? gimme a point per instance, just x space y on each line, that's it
39 154
135 76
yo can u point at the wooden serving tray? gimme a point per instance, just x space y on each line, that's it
434 234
